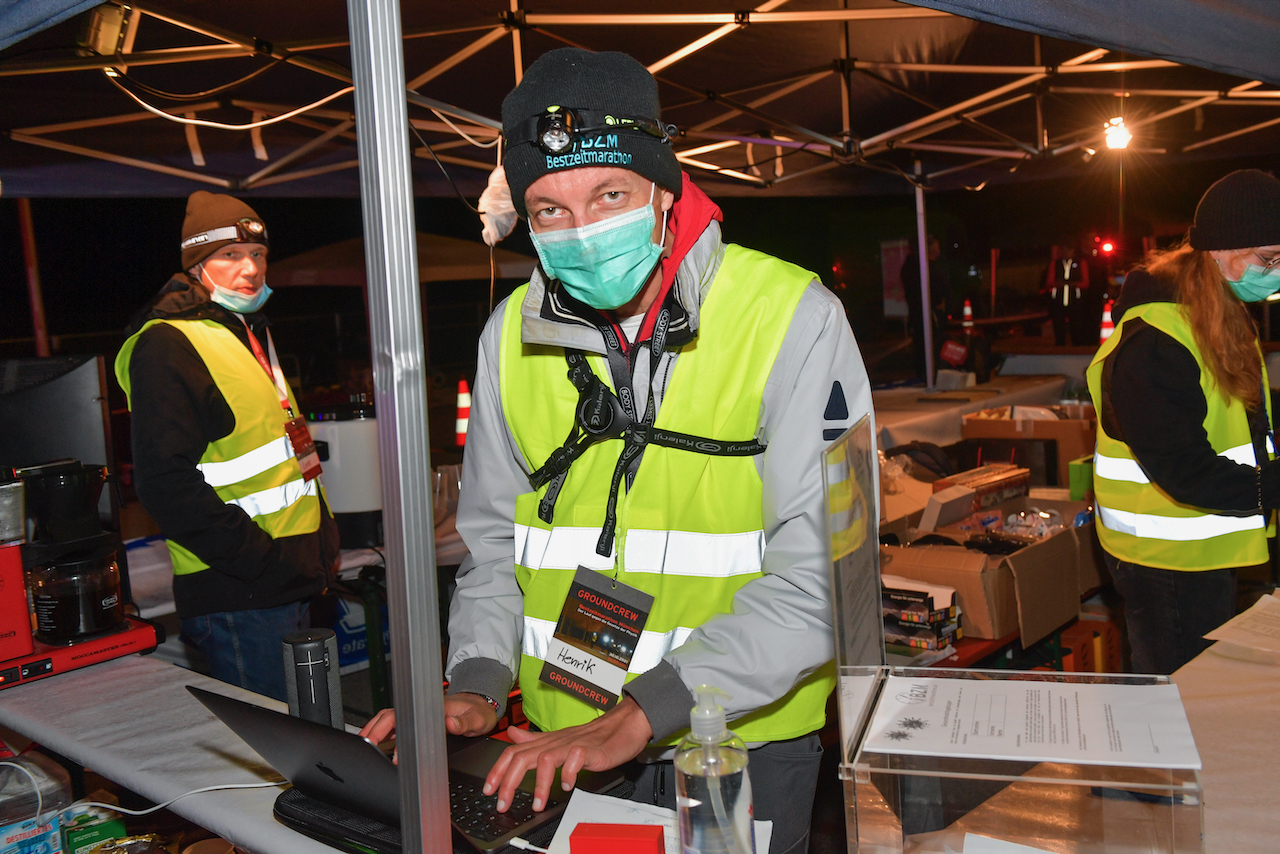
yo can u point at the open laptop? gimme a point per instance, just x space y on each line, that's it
346 792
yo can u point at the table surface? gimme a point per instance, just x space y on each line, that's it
132 721
913 415
1232 704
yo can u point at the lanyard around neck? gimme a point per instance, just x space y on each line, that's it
271 367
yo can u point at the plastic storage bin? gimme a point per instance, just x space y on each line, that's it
899 802
29 822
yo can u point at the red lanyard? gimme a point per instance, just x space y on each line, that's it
272 368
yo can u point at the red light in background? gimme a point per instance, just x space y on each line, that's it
1108 246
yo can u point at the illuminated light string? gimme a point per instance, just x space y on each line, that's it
220 125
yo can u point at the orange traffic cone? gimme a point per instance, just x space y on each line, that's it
464 413
1107 326
967 318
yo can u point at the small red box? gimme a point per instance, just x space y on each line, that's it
616 839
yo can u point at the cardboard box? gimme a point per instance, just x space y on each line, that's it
1033 591
1074 437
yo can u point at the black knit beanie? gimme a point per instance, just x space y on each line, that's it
575 79
206 214
1239 211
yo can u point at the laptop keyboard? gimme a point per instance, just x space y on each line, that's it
476 814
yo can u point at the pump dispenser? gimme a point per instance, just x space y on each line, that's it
713 791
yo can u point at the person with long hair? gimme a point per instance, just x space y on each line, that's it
1185 479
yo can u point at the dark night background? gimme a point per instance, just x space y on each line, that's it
100 259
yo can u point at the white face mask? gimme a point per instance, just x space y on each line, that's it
235 300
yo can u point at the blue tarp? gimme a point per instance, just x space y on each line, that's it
1238 37
22 18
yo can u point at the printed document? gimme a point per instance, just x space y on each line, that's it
1085 723
1256 628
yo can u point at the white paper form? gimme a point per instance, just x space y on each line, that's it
585 807
1256 628
1090 724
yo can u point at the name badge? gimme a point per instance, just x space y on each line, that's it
595 638
303 447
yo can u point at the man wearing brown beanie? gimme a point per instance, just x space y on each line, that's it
222 459
685 511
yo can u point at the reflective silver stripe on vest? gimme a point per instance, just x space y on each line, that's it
247 465
648 655
1178 528
670 552
276 498
1127 470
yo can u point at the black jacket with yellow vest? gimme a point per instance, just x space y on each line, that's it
177 411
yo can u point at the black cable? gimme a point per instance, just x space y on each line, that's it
196 96
447 176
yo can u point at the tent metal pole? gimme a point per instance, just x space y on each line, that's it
963 149
517 46
765 99
846 107
299 174
754 140
168 56
318 65
821 167
1163 93
420 33
125 118
1204 142
34 292
400 383
970 165
974 101
1096 138
926 301
683 18
116 158
963 118
751 87
461 161
1036 67
773 120
710 38
466 53
1041 139
718 170
301 151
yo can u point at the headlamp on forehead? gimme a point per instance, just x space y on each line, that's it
245 230
560 130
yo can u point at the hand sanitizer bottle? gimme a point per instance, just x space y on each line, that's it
713 791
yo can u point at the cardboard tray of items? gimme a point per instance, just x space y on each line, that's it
1032 591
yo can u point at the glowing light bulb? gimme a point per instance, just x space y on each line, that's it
1117 134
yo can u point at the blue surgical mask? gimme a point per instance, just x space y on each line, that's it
1256 284
606 263
235 300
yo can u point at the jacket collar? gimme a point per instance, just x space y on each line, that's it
551 317
184 298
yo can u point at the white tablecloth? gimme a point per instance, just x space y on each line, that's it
132 721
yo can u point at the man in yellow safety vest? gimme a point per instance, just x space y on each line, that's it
676 538
222 460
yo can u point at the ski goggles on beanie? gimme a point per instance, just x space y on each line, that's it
564 130
244 230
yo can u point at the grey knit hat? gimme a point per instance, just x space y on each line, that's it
610 95
1239 211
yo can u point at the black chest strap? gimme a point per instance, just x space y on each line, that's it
601 415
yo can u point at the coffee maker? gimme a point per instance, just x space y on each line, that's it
72 577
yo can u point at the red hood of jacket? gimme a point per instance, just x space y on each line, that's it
688 218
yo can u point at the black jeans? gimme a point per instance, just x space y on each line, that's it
1168 611
784 778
